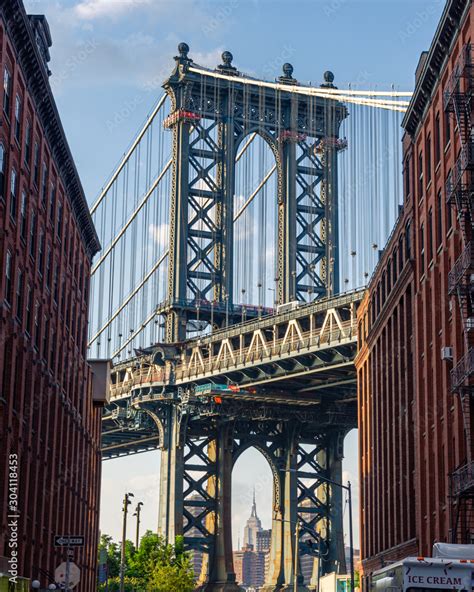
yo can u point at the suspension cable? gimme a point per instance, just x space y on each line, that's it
124 160
132 217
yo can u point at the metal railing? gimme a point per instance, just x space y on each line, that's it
464 162
461 69
462 479
274 348
463 265
463 370
269 350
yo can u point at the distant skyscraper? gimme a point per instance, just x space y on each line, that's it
249 561
254 525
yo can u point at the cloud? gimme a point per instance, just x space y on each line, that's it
96 9
160 233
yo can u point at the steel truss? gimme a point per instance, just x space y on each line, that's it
210 119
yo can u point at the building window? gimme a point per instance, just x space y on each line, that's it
28 144
7 90
430 234
29 302
13 195
33 235
23 216
407 178
8 277
48 269
420 175
41 253
52 202
400 254
407 242
44 191
55 282
3 159
18 119
37 325
422 249
19 295
447 128
45 336
59 227
428 158
36 165
437 139
395 266
439 218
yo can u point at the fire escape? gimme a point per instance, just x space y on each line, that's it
459 100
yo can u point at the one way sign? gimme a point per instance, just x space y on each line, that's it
61 540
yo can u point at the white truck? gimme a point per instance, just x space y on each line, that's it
450 568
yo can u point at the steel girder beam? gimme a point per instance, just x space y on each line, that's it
199 449
209 121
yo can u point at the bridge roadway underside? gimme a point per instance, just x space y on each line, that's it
296 403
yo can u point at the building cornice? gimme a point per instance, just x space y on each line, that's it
448 28
20 32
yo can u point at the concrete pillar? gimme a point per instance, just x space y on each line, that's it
221 564
170 517
282 550
336 557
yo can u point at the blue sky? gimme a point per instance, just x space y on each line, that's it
108 60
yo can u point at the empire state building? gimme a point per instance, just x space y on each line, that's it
254 525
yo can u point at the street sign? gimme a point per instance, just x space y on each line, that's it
60 575
68 540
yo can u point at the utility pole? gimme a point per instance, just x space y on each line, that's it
138 509
126 502
351 535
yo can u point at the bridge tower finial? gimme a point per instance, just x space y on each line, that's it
287 77
182 58
226 66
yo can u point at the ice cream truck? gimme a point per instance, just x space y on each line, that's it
450 568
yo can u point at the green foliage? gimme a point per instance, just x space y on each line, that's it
112 555
153 567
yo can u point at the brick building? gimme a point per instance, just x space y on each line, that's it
414 414
49 426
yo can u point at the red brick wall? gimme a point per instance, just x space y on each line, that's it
46 412
411 431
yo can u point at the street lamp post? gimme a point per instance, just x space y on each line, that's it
348 488
126 503
297 548
138 509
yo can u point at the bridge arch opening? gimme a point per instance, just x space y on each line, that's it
255 241
252 503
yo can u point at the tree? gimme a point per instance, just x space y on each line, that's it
173 571
154 567
112 555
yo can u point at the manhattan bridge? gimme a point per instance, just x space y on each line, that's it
235 231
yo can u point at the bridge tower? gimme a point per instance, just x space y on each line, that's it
212 114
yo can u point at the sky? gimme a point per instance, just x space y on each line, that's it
109 58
